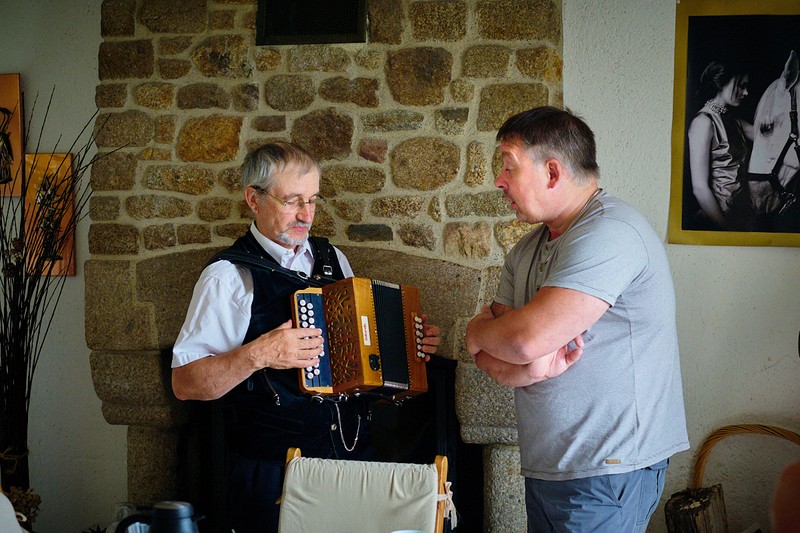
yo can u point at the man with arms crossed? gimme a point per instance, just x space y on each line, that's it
583 326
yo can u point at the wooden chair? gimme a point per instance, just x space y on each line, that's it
364 496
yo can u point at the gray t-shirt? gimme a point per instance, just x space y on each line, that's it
620 407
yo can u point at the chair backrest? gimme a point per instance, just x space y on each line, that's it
362 496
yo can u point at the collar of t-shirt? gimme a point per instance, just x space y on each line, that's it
299 259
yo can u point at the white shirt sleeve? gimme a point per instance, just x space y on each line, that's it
219 312
218 315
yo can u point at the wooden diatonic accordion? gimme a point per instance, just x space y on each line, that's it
372 338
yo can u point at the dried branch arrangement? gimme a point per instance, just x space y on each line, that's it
37 230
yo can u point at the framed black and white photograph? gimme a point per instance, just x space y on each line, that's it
735 152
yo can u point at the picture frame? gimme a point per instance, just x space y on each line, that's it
49 213
756 38
11 100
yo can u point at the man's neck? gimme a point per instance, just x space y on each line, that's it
275 248
575 206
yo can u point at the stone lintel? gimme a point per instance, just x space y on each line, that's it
166 282
115 320
447 290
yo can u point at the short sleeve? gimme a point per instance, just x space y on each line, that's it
218 315
601 259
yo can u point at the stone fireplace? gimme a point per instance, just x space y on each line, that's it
403 127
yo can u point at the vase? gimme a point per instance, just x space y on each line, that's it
14 468
14 402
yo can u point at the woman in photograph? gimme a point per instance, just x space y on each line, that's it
719 150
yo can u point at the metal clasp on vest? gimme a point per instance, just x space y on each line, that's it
275 395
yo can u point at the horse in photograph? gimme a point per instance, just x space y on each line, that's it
775 160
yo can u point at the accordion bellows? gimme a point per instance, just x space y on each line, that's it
372 335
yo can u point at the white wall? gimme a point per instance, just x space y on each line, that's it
738 307
77 460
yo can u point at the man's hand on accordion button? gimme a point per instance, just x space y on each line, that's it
431 337
287 347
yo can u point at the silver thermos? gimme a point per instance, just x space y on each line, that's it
166 517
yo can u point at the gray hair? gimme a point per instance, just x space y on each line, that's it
263 164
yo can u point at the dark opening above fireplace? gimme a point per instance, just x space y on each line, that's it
311 21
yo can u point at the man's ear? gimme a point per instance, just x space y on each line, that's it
250 195
554 172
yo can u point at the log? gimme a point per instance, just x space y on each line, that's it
697 511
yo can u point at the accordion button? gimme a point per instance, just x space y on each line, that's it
310 311
311 320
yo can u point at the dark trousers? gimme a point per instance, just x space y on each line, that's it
601 504
253 488
254 485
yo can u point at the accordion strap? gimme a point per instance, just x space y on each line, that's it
322 256
253 261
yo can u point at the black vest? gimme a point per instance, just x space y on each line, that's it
266 414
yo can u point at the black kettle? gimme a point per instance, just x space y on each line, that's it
166 517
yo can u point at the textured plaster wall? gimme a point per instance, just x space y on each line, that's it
77 460
738 311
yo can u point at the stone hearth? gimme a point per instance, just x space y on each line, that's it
132 377
403 127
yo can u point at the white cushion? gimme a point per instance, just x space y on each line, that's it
340 496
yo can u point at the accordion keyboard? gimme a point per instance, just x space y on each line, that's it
310 314
372 334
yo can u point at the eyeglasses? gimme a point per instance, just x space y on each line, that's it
294 204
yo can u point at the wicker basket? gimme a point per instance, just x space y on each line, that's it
702 509
737 429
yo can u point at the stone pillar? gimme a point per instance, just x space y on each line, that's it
486 412
152 463
133 314
134 389
504 490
